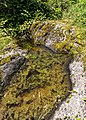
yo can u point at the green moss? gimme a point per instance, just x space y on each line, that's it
34 91
5 60
4 41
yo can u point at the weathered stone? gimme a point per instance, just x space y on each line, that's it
10 68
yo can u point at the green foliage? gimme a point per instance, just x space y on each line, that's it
16 12
77 12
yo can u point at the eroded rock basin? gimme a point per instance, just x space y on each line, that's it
40 82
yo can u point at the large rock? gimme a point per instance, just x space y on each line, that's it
34 84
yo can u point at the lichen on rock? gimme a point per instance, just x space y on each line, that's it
57 35
39 80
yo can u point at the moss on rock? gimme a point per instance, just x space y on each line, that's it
39 84
43 80
57 35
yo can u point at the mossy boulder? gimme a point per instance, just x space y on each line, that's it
57 35
34 84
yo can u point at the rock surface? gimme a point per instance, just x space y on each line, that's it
74 108
33 83
9 69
